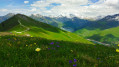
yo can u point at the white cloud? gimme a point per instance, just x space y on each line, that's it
66 3
26 2
22 11
3 10
33 9
77 7
102 7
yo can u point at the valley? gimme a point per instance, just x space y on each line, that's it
59 33
22 36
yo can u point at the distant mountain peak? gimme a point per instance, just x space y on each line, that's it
37 15
11 14
71 16
3 18
112 17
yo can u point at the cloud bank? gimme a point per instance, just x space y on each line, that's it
80 8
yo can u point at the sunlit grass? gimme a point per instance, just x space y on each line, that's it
39 52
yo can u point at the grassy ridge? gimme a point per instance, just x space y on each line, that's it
108 35
39 29
114 31
58 47
87 33
20 52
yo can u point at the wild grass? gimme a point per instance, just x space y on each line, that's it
17 51
110 35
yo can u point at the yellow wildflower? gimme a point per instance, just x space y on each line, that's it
35 43
117 50
37 49
118 45
26 45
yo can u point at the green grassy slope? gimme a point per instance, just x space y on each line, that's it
114 31
38 29
20 52
110 35
87 33
58 47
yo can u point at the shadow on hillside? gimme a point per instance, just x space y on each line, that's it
102 25
8 24
109 38
31 22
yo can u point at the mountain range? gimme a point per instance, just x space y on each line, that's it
100 29
3 18
29 42
66 23
103 30
23 25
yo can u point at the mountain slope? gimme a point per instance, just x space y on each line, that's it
104 30
48 20
3 18
75 23
23 51
70 24
23 25
110 35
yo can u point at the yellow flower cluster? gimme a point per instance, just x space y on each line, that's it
37 49
118 45
117 50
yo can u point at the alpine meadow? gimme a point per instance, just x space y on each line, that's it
54 33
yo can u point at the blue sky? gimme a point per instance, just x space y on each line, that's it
52 5
81 8
17 3
6 3
94 1
21 4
